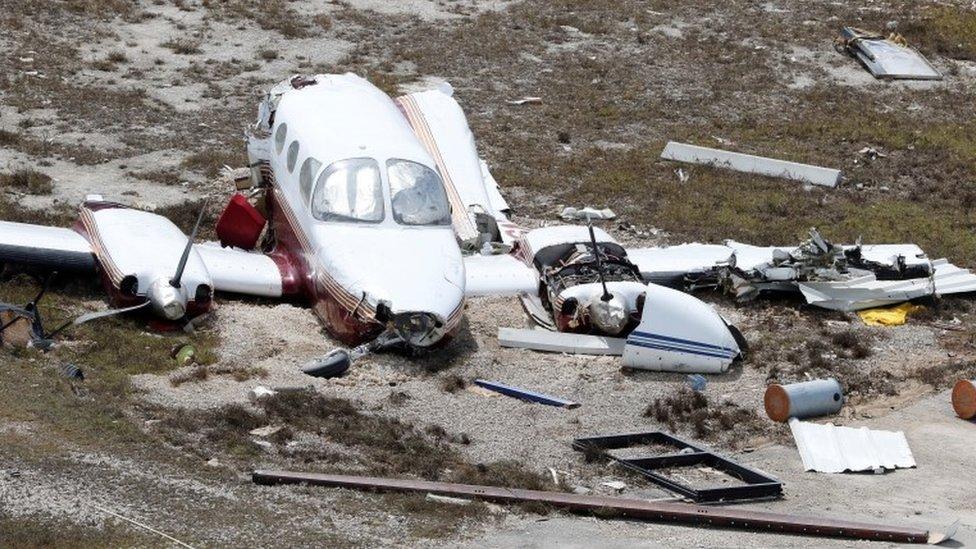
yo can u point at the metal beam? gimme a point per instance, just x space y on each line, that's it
620 507
525 394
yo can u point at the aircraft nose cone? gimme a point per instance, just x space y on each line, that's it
418 329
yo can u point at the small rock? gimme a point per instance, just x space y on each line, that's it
581 490
260 393
615 485
263 444
212 462
266 431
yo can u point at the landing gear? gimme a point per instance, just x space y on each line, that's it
337 362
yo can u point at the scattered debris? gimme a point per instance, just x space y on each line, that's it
964 398
659 511
72 371
260 393
683 176
889 316
886 57
748 163
266 431
528 100
184 354
141 525
814 398
447 499
615 485
832 449
697 382
525 394
560 342
570 213
871 153
754 484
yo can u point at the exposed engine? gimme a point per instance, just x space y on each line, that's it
567 266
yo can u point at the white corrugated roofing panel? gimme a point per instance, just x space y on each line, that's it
832 449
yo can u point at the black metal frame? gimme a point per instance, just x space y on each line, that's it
758 485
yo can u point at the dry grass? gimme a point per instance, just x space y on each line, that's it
182 45
376 444
948 30
707 420
28 181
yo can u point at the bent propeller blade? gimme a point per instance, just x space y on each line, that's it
175 281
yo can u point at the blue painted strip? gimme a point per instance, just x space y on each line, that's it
677 346
525 394
679 340
677 350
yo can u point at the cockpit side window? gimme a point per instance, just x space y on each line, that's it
306 176
349 190
417 194
280 134
293 155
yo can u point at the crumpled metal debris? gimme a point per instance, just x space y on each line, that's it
570 213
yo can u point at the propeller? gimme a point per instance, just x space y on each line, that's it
175 281
607 296
92 316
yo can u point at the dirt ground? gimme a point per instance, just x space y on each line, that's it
146 102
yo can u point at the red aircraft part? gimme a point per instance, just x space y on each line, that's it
240 224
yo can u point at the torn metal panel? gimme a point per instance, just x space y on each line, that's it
560 342
806 173
674 264
863 292
885 58
950 279
832 449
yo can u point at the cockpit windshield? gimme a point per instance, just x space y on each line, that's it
349 190
417 194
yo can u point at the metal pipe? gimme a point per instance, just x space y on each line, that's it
819 397
964 398
620 507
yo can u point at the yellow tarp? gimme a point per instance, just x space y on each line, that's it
889 316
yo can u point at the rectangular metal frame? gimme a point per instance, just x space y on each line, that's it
758 485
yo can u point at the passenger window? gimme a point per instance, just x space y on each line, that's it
280 138
306 176
292 155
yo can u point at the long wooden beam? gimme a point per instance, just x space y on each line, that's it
622 507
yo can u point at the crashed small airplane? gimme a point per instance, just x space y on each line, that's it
381 215
365 204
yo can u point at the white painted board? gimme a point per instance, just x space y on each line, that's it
559 342
806 173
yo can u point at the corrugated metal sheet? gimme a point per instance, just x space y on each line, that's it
832 449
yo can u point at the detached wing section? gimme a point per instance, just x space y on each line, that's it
240 272
672 265
441 126
499 275
46 247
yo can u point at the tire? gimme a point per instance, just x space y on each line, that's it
334 364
